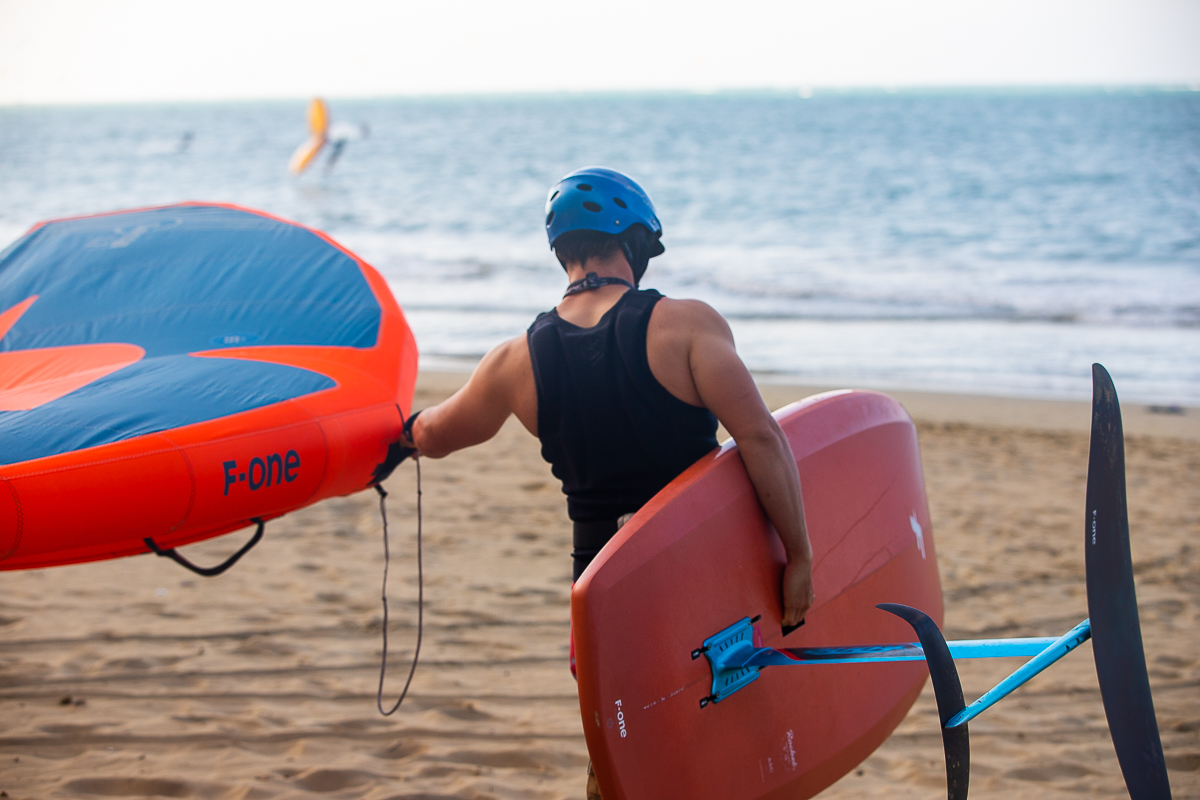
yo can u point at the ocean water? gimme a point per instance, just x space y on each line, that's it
994 242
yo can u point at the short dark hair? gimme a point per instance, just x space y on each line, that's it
580 245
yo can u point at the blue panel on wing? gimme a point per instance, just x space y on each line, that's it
184 279
153 395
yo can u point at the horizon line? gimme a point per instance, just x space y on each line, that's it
801 91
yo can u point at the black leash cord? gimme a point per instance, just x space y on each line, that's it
420 597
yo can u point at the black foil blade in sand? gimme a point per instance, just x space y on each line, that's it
948 690
1112 603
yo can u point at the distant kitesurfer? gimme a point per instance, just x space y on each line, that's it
321 133
318 127
622 386
339 134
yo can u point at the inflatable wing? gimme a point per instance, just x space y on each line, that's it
175 373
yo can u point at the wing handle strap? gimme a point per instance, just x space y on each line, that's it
208 572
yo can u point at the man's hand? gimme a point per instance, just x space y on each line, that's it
798 594
397 451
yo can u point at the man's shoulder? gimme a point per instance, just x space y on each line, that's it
504 364
687 312
511 351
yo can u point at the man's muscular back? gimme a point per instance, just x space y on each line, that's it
691 353
683 336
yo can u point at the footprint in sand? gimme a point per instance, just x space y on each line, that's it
333 780
141 663
504 759
1053 772
129 787
67 729
400 750
1184 762
467 712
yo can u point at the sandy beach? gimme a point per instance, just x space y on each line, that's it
133 678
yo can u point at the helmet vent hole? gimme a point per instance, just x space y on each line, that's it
549 218
620 202
584 187
590 206
554 195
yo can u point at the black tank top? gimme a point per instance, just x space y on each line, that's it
612 433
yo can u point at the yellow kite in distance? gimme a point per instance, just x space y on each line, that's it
318 125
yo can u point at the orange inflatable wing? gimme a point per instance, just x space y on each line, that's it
176 373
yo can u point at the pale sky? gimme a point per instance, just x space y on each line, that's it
63 51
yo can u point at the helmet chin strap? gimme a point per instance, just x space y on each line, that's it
637 261
593 281
637 251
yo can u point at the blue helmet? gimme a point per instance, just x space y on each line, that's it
600 199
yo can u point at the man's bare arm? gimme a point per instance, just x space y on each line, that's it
722 383
501 385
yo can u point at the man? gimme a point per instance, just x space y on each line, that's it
623 387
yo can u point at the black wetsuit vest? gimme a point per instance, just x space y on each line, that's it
612 433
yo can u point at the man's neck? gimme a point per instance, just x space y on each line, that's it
586 308
614 266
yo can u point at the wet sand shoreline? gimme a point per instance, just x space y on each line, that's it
133 678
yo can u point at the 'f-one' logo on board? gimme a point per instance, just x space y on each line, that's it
272 470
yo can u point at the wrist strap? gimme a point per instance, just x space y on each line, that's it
407 427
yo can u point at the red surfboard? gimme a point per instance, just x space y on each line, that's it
701 556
